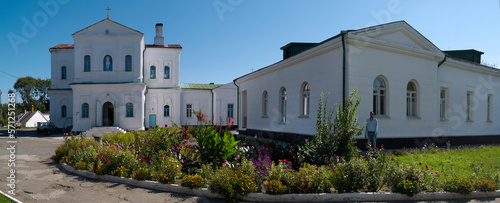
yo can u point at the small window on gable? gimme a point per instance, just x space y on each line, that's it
86 63
128 63
166 74
152 72
63 73
107 63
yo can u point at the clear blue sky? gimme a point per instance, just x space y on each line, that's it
224 42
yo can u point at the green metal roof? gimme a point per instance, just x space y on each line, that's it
199 86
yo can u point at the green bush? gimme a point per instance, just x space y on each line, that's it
310 179
213 147
124 139
408 187
275 187
405 179
192 181
141 174
349 176
377 164
80 165
231 185
333 137
459 185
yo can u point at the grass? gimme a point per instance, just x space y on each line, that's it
482 161
4 199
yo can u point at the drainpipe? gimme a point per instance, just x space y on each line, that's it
143 62
342 33
146 91
238 102
444 59
212 91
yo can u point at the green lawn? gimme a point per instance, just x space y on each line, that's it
4 199
480 162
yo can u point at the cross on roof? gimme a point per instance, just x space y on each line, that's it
108 9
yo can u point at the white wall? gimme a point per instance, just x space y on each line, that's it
161 57
38 117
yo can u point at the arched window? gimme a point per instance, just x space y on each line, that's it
304 99
63 72
282 104
379 96
85 110
128 63
411 99
166 74
63 111
107 63
129 110
152 72
166 111
86 63
264 103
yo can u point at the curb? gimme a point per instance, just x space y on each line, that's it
261 197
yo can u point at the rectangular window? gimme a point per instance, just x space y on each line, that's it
166 73
189 110
442 104
86 63
128 63
489 110
230 110
469 107
152 72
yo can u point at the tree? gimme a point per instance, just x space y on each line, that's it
33 92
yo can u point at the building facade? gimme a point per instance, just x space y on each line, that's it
110 77
415 89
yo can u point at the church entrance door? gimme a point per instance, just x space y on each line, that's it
108 114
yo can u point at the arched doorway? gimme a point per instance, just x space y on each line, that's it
108 114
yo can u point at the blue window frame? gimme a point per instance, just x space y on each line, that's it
152 72
63 111
107 63
128 63
166 111
85 110
130 110
63 73
86 63
166 74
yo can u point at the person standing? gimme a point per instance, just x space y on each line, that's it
371 130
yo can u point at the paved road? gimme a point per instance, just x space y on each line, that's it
40 180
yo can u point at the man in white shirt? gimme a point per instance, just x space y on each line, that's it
371 130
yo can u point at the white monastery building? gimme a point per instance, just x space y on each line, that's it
415 89
110 77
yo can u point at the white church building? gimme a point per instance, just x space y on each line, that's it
415 89
110 77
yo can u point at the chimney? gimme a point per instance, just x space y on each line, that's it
159 34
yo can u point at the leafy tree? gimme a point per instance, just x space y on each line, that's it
334 137
33 92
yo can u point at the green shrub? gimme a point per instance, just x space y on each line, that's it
213 147
101 169
207 173
141 174
459 185
167 164
333 137
349 176
484 186
310 179
377 163
80 165
121 172
275 187
192 181
408 187
410 176
124 139
231 185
